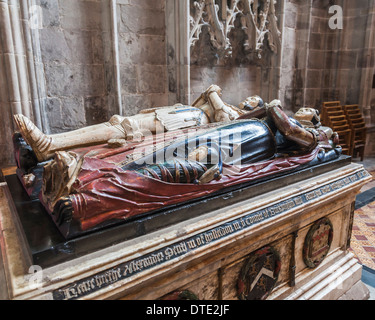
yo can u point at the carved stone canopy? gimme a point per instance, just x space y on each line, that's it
257 17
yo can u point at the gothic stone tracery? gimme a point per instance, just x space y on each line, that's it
257 17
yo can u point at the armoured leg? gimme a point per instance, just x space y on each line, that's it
203 98
45 146
223 111
290 130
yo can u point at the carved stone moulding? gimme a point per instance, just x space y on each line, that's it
257 18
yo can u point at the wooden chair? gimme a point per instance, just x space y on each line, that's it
359 131
338 123
351 107
334 116
332 120
330 109
346 141
359 141
335 113
332 104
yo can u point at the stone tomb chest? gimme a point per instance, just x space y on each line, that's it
285 237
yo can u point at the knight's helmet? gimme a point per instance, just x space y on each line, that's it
308 118
252 103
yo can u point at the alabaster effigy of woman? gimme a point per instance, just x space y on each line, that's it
191 152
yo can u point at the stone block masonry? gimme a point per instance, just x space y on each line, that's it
73 57
143 60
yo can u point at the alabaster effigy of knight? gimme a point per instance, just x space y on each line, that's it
164 156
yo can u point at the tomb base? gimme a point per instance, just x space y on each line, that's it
285 244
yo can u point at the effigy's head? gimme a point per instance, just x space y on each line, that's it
252 103
308 117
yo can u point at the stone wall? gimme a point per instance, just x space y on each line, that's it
142 54
72 47
341 62
323 64
80 64
242 73
90 59
320 63
337 56
294 54
238 75
74 44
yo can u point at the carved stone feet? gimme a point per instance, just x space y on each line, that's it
35 138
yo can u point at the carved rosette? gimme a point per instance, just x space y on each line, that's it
258 20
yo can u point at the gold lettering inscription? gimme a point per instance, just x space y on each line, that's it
175 250
218 233
298 201
310 196
325 189
140 264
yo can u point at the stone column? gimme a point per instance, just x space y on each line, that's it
368 64
271 74
14 58
31 19
295 54
178 51
367 92
7 65
115 53
18 68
